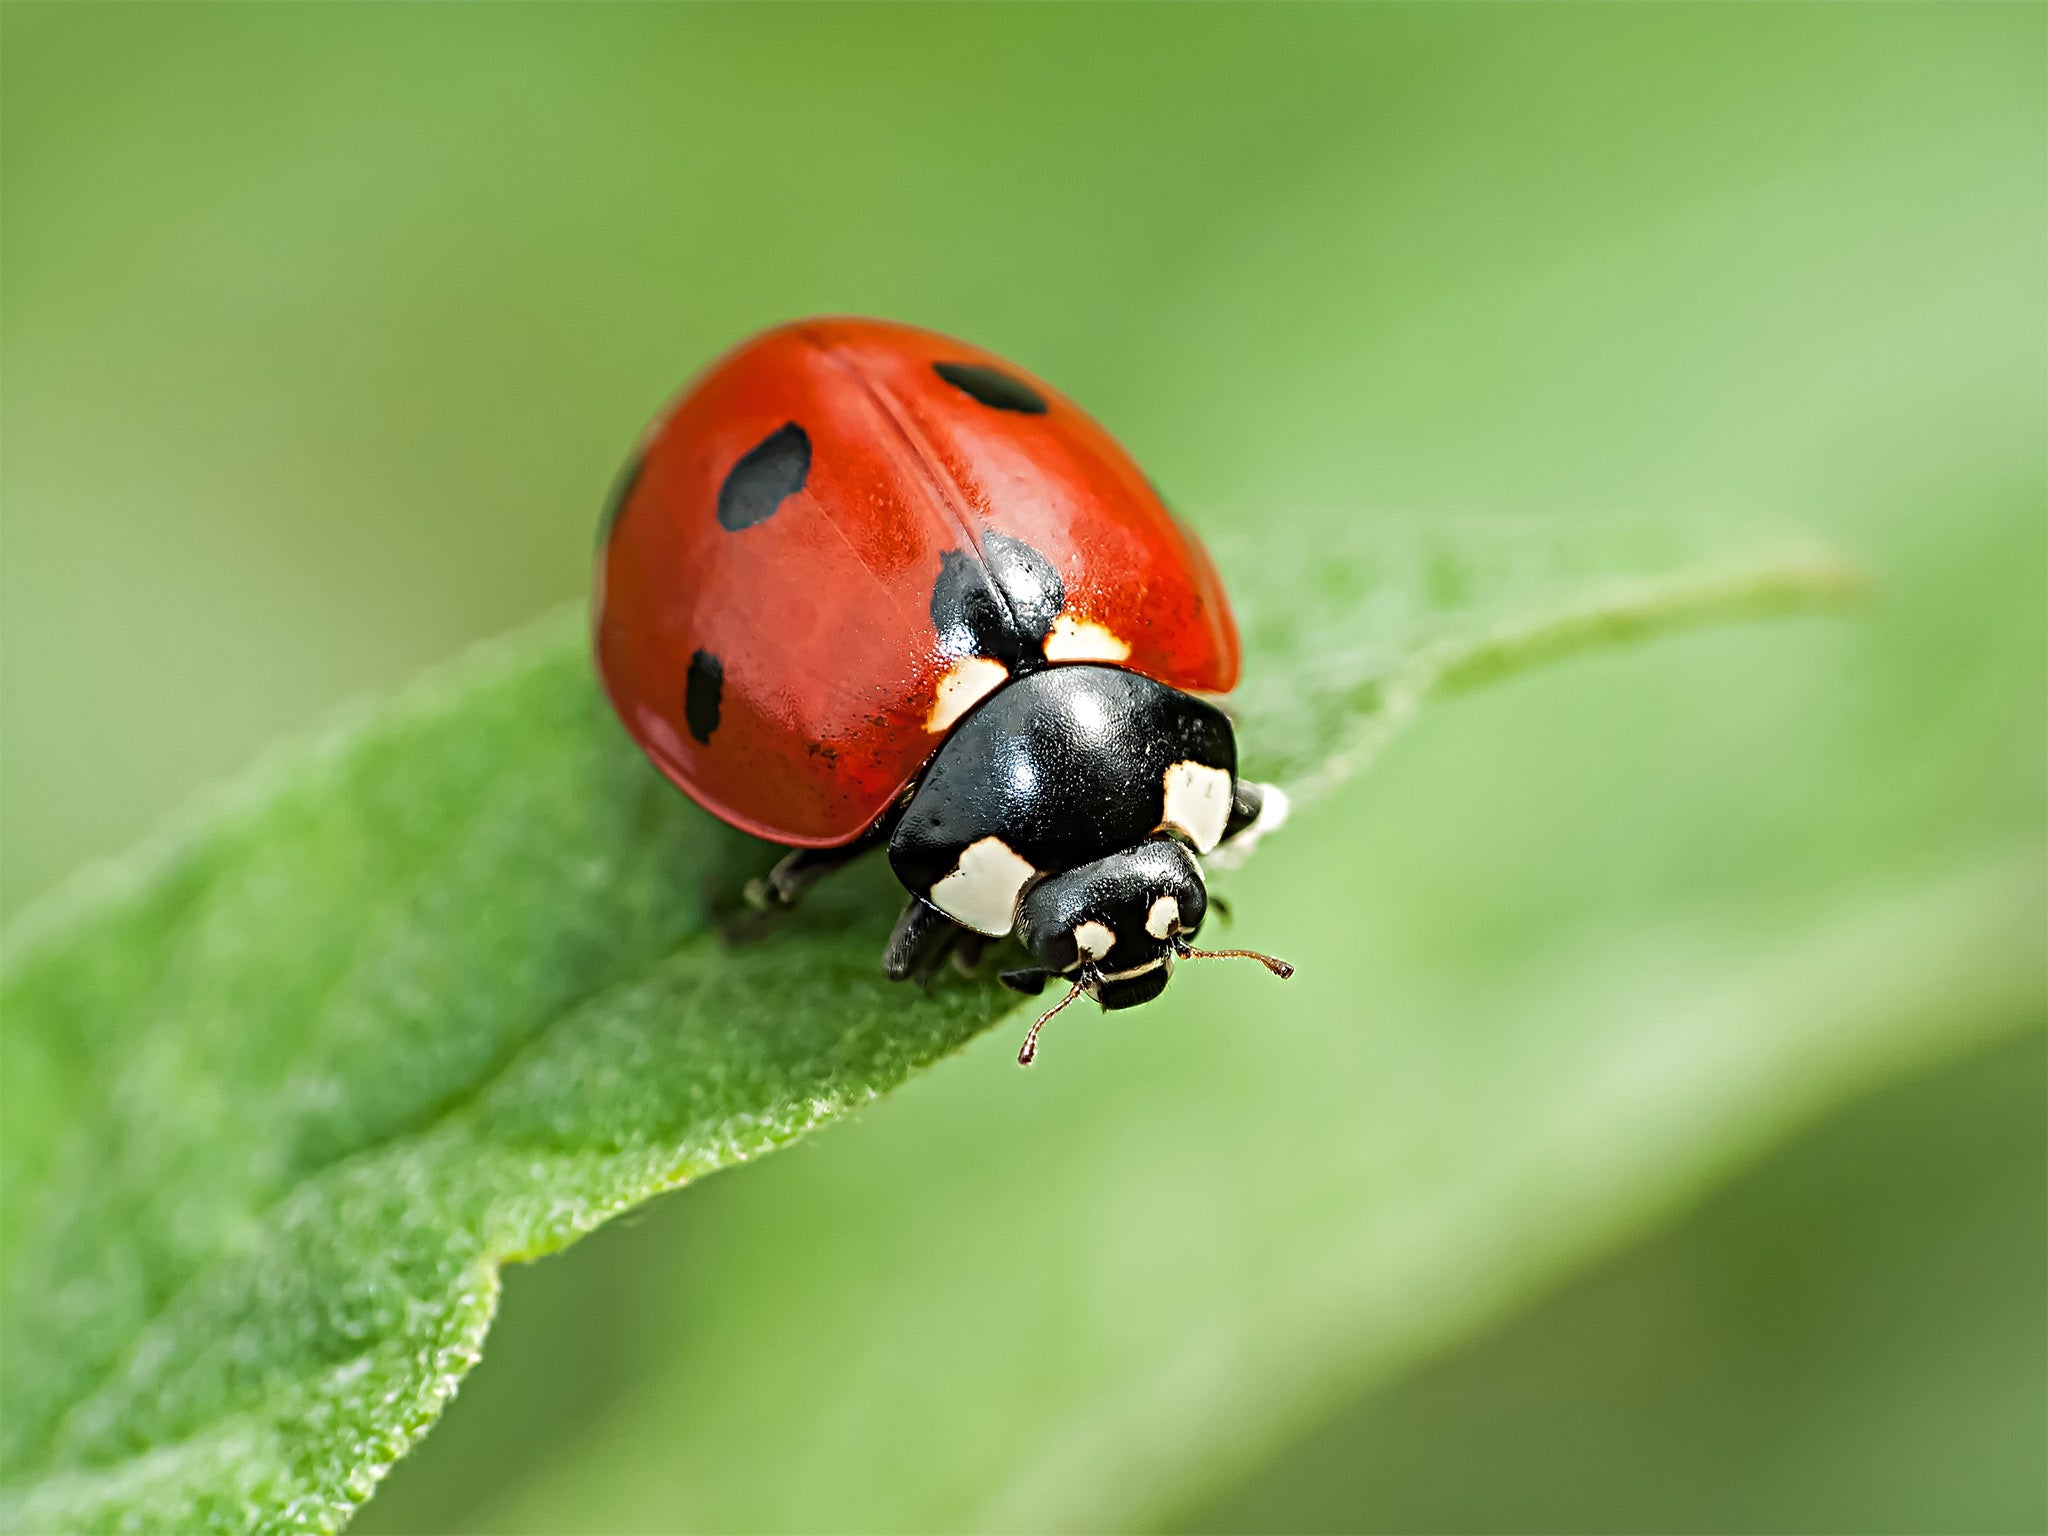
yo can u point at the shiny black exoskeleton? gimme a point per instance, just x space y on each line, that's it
1069 807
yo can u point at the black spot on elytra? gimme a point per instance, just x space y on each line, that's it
768 473
965 609
1000 605
992 387
701 695
621 493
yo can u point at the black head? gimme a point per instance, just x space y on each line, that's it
1112 926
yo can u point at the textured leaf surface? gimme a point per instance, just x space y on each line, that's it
441 991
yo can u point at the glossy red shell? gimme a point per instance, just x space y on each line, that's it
819 615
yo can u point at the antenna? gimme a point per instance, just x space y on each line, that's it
1031 1040
1277 966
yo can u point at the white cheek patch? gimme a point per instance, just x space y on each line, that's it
983 888
1198 803
1075 639
966 683
1164 914
1094 940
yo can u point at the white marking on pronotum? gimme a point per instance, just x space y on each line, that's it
966 683
983 888
1198 802
1075 639
1273 809
1094 939
1164 914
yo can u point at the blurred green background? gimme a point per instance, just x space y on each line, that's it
326 327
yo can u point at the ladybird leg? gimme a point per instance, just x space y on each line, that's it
1255 810
1245 804
927 973
924 936
796 872
802 868
967 953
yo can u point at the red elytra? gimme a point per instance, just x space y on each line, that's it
797 623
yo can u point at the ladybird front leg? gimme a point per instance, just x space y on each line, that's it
1254 808
1246 801
923 938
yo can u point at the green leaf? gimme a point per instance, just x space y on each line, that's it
1699 1356
1347 645
441 990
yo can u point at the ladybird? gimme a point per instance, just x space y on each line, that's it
863 585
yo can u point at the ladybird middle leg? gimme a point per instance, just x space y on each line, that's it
967 953
801 868
796 872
